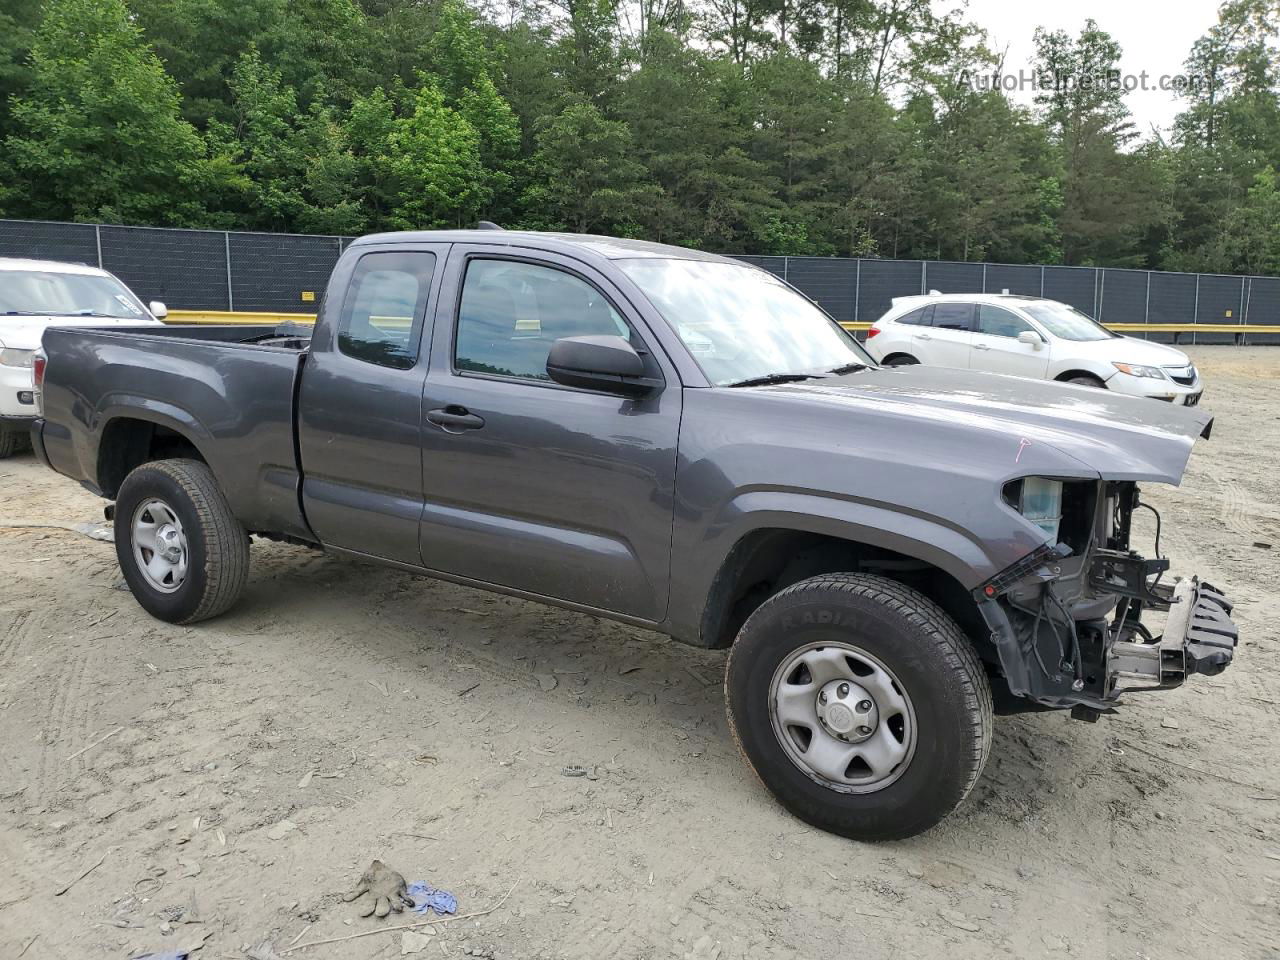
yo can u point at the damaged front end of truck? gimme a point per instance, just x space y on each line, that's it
1069 621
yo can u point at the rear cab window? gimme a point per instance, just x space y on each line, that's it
383 311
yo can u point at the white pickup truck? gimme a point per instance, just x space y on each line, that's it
35 294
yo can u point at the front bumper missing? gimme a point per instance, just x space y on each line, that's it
1199 637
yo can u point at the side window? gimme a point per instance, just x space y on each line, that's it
953 316
384 307
917 318
999 322
510 314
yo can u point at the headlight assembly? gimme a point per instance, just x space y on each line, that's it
1039 499
16 358
1139 370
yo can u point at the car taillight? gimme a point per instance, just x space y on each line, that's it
38 363
872 332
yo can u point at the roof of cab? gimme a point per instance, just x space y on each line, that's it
611 248
48 266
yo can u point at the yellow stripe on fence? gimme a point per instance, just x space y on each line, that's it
274 319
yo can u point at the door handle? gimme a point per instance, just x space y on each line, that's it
981 346
924 336
455 419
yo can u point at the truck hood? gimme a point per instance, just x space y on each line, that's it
1097 432
24 333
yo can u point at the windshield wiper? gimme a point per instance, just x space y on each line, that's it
848 368
771 378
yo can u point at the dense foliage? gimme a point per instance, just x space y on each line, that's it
845 127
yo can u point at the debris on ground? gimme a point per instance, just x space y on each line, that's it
427 897
380 891
411 942
547 681
262 950
190 945
282 829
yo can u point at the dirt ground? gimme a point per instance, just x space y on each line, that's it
246 770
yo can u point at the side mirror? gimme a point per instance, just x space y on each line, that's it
1032 338
158 309
599 363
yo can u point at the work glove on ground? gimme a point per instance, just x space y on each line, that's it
379 891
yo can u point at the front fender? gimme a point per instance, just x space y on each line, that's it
921 537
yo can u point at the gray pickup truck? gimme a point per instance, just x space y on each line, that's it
677 441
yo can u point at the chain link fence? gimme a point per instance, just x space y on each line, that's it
232 270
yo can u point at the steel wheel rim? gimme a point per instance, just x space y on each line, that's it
160 545
810 731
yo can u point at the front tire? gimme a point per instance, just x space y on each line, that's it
860 705
182 551
1085 380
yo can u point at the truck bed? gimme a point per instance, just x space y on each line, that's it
230 388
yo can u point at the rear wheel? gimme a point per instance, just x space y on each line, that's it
182 551
860 704
901 360
11 442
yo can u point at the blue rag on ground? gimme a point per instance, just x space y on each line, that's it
428 897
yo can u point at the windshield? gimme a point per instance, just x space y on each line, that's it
1068 323
743 324
42 293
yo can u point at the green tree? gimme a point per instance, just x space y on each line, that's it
434 157
297 160
1111 193
587 178
1255 242
98 133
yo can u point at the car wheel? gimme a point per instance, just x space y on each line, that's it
183 553
860 704
1085 380
11 443
902 360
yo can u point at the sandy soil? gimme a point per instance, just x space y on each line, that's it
258 762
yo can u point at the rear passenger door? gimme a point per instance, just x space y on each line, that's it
997 349
360 402
556 491
945 342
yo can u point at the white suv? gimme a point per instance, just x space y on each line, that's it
1029 337
35 294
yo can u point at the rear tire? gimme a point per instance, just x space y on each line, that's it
935 708
182 551
11 443
902 360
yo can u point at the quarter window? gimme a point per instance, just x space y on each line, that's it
916 318
511 313
999 322
386 301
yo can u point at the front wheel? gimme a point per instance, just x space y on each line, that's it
860 704
182 551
